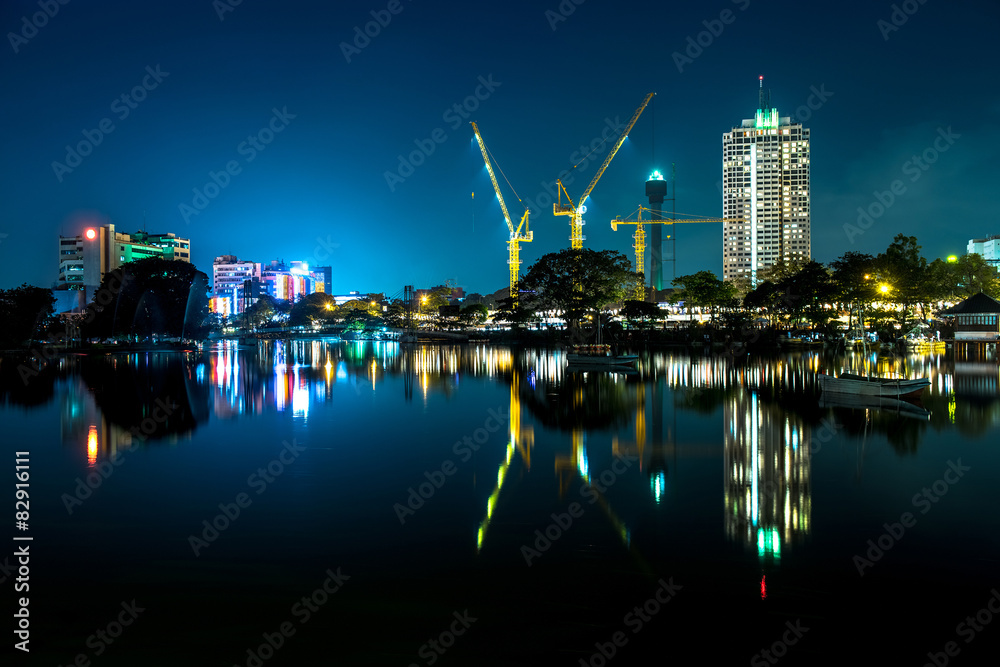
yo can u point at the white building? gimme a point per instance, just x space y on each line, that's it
99 249
765 181
988 247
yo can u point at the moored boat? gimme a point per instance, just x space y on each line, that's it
849 383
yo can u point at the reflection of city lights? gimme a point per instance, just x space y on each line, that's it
658 483
92 446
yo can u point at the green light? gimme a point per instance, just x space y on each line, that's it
655 176
767 119
952 258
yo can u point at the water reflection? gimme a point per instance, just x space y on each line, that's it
767 411
767 461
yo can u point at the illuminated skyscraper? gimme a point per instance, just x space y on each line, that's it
765 181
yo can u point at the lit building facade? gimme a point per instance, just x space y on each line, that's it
765 181
988 247
84 259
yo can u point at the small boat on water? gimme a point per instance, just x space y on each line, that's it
599 356
862 385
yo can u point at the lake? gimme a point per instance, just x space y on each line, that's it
366 503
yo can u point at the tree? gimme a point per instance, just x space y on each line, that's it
516 316
972 274
853 283
803 294
640 313
704 290
473 313
576 283
900 274
763 299
26 312
263 312
152 296
312 309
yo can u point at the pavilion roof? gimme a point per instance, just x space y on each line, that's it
978 304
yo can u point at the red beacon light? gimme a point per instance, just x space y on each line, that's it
91 234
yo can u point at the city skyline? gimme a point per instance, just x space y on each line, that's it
264 132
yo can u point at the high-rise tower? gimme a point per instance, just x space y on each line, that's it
765 183
656 190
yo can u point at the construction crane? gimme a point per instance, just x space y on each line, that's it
576 236
640 237
514 243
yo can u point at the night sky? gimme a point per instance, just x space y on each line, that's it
217 75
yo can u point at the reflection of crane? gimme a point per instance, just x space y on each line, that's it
640 236
576 210
514 244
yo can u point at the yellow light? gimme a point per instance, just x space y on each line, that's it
884 288
92 446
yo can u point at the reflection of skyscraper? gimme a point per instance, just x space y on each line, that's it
767 493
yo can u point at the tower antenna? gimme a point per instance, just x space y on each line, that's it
764 97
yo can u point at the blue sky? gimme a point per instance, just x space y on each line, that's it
311 121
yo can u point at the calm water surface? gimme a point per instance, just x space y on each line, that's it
479 505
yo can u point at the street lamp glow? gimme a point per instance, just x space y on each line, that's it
952 258
883 288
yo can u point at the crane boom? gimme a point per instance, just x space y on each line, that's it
514 243
611 154
576 210
489 168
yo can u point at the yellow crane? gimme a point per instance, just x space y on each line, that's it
514 243
640 237
576 210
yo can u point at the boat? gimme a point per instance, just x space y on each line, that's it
867 385
597 360
884 403
599 356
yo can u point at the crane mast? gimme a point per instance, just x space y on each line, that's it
514 242
575 211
